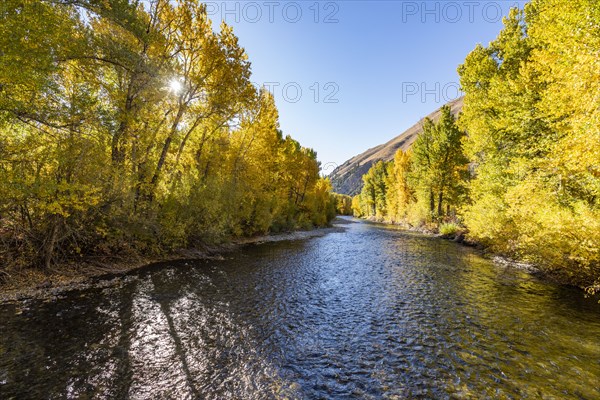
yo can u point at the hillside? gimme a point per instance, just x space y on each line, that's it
347 178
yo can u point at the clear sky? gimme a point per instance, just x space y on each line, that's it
349 75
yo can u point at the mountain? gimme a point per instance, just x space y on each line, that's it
347 178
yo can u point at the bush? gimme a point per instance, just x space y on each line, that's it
450 229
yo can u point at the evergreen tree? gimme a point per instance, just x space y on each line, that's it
439 165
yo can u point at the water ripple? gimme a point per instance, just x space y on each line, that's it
370 313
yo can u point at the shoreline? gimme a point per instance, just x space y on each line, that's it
498 259
50 285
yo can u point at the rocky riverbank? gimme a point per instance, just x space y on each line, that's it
50 285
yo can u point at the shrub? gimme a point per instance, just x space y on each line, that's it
450 229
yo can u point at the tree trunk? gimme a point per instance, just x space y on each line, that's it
161 161
117 148
50 242
164 152
431 202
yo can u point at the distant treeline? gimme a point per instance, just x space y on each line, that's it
343 204
133 127
520 169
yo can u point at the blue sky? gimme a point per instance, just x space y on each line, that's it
349 75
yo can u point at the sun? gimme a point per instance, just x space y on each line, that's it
175 85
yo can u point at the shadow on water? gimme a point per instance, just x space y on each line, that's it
371 312
121 350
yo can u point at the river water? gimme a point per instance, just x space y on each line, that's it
370 312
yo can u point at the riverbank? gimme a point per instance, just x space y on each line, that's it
30 284
457 236
501 260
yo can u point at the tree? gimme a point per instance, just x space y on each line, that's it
439 165
135 128
533 138
343 204
373 194
400 193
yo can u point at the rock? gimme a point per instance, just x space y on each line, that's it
459 237
44 285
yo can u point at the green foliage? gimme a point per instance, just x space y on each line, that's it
420 186
440 170
450 229
373 201
100 153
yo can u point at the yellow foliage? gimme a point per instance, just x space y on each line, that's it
533 121
101 152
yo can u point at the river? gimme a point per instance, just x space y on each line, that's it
369 312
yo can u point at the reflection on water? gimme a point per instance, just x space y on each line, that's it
372 312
